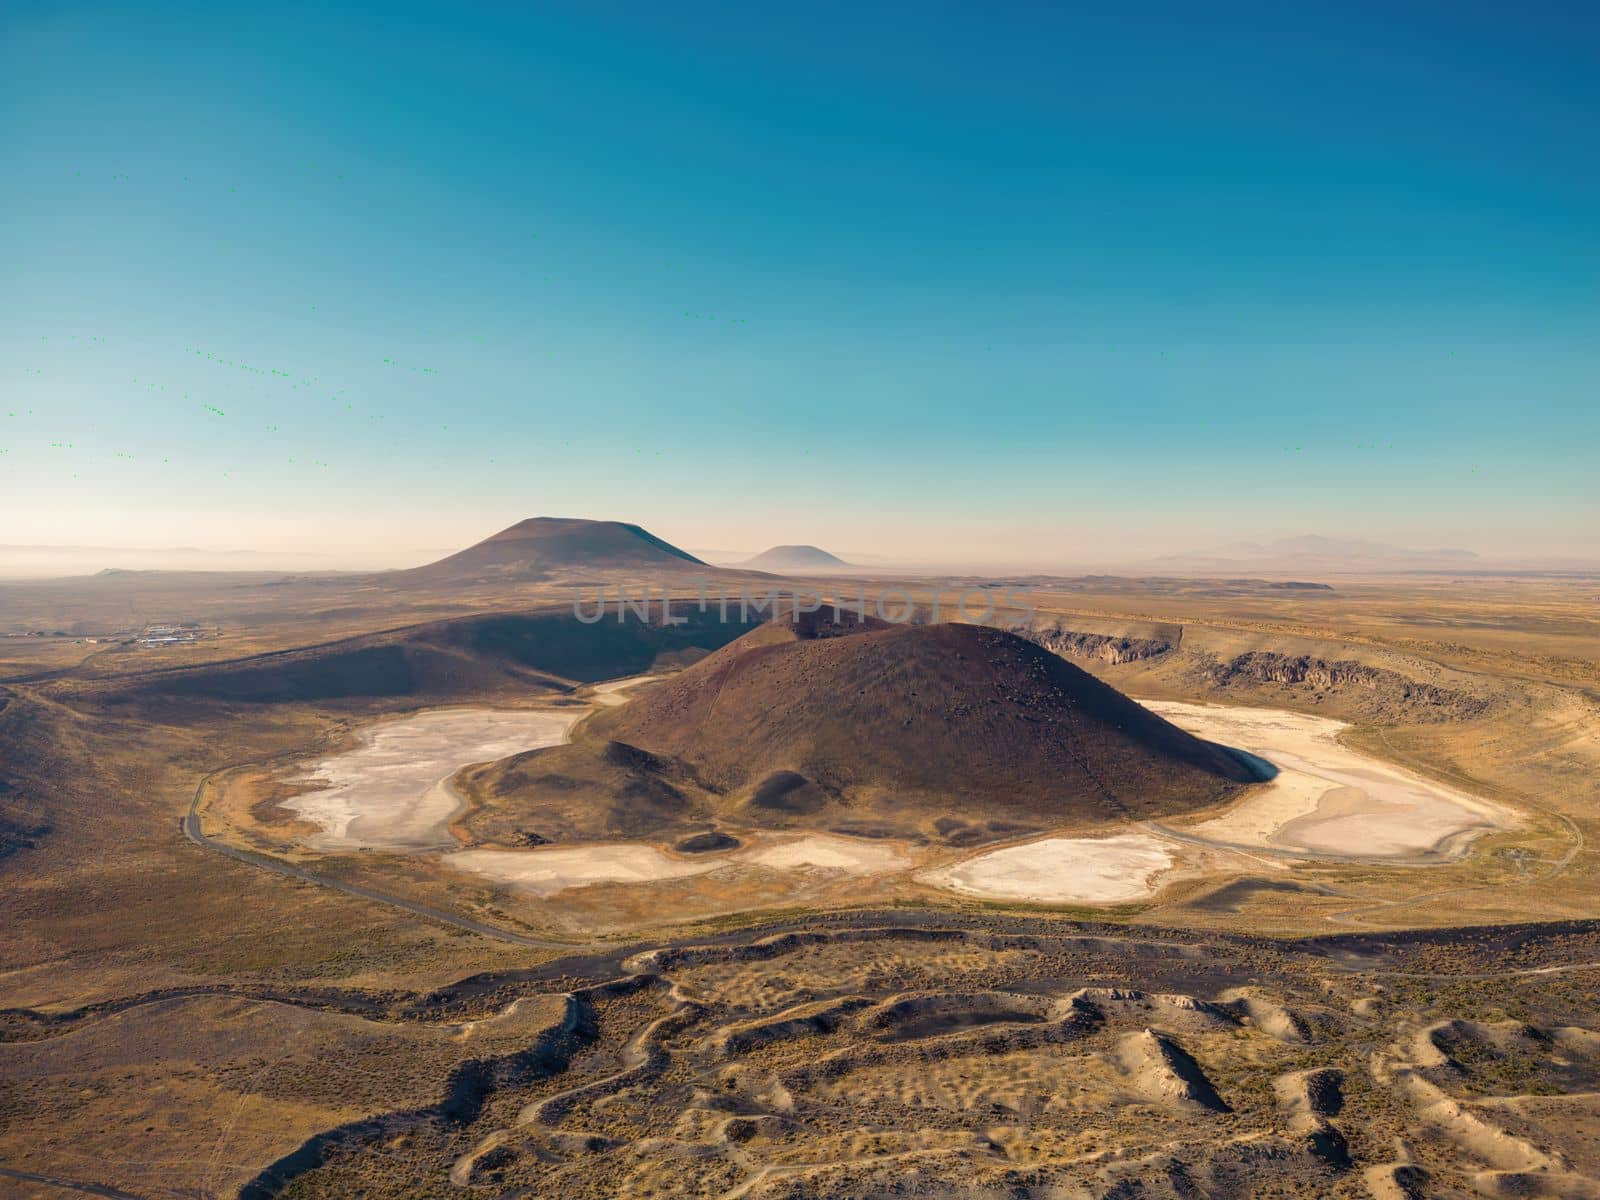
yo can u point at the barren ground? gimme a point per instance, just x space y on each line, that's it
1276 1020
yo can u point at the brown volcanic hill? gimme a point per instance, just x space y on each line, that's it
869 720
541 545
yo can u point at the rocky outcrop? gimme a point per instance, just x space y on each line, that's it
1303 670
1105 647
466 1091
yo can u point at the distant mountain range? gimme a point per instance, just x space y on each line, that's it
49 562
1312 550
546 547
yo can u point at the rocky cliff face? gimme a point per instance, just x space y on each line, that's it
1319 674
1098 645
1353 688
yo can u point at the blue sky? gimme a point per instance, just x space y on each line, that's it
1055 283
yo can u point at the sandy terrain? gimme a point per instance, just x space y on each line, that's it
1327 798
390 791
1063 870
613 691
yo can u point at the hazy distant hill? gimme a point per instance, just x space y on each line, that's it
540 545
795 558
1311 551
47 562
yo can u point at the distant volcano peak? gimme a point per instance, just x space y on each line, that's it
537 546
795 558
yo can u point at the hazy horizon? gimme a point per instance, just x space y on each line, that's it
1056 287
43 560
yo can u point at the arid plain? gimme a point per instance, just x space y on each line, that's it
416 884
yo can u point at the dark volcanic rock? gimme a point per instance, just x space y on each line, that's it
702 843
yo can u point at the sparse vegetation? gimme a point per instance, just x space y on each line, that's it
162 995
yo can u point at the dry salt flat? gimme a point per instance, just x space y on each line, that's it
390 792
1062 870
550 869
1328 798
545 870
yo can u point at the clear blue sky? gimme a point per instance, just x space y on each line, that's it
1051 282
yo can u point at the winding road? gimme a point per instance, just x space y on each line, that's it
68 1185
190 825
